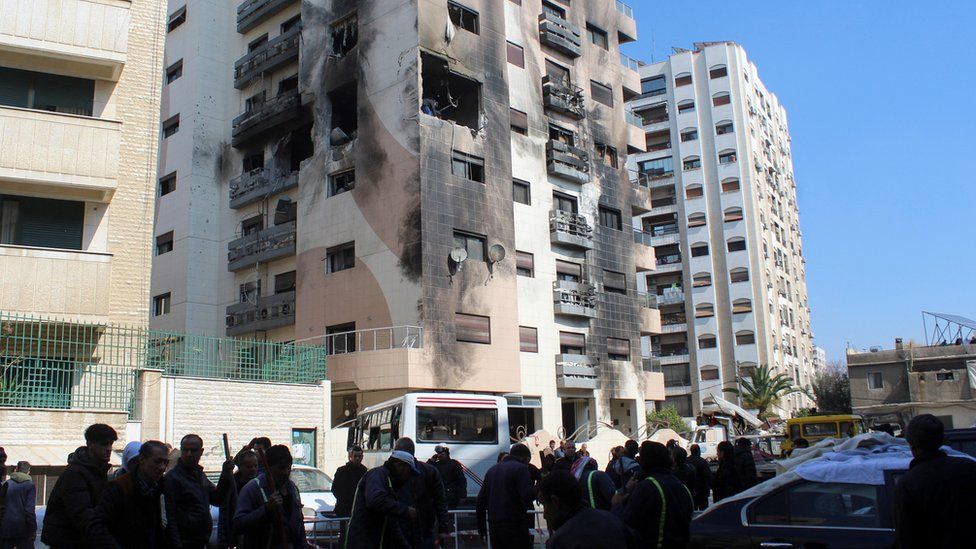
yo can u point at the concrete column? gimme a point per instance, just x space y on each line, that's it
148 403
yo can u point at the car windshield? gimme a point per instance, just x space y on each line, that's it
311 480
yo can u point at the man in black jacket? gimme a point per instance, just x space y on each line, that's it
344 484
934 500
189 495
375 509
129 515
574 524
703 478
598 488
505 499
455 482
745 463
425 493
71 508
659 507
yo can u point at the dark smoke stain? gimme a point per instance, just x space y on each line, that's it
411 261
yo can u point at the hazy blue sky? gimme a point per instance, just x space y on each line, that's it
880 100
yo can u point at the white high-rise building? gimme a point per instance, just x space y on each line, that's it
724 224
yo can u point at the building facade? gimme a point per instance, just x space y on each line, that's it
434 190
723 221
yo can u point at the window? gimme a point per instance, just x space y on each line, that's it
161 304
695 191
745 337
473 328
176 19
167 184
721 99
292 24
564 203
344 106
448 95
284 282
520 122
516 55
945 376
342 182
340 338
468 166
689 135
696 219
528 339
345 35
249 292
257 43
730 186
723 128
521 192
692 163
707 341
704 310
682 80
614 282
681 403
606 154
551 9
709 374
726 157
610 218
740 306
601 93
701 280
524 264
557 72
572 344
657 141
568 272
41 222
563 135
740 274
461 425
653 86
737 244
733 214
597 36
174 72
171 126
341 257
659 167
46 92
473 244
686 106
252 225
699 250
618 349
463 17
286 211
164 243
820 504
875 380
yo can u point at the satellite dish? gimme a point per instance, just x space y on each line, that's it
496 253
458 255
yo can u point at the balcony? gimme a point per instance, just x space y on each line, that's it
671 297
270 312
577 372
256 185
671 355
54 149
664 235
650 321
563 97
567 162
574 298
262 246
68 284
84 38
651 364
672 323
668 263
626 25
643 251
268 57
630 78
252 13
384 358
636 137
651 180
262 116
570 229
560 35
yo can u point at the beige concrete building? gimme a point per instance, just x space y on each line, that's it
435 190
723 219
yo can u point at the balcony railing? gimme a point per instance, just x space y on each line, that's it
559 34
255 185
264 115
375 339
671 297
269 312
563 97
625 9
630 62
567 162
570 229
642 237
647 300
576 372
574 298
633 119
262 246
669 259
267 57
654 147
651 180
664 230
651 364
673 318
252 12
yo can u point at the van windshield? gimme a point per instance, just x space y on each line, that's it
470 425
822 429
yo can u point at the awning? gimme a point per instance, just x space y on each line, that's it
730 409
44 455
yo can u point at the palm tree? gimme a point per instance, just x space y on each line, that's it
763 390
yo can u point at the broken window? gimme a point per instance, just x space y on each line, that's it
342 182
295 148
601 93
291 24
606 154
563 135
253 161
345 119
597 36
345 35
340 258
257 43
468 166
286 211
448 95
564 203
550 9
463 17
176 19
558 73
472 243
288 84
284 282
252 225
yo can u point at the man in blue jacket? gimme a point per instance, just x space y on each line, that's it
505 500
376 510
269 508
18 527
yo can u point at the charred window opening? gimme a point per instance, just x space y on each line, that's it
342 182
345 119
563 135
300 146
286 211
252 224
448 95
288 84
463 17
253 161
345 35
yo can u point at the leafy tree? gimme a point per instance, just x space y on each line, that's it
832 390
669 415
763 390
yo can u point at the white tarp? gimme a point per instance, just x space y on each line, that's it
730 409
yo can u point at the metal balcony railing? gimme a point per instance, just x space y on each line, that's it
630 62
252 12
255 185
670 319
266 313
642 237
671 297
664 230
574 298
647 180
633 119
560 34
274 53
564 97
262 246
375 339
647 300
261 116
669 259
569 223
567 161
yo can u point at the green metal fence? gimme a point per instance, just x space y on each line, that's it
60 364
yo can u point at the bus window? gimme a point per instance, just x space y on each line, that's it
395 422
825 429
468 425
794 432
374 438
846 429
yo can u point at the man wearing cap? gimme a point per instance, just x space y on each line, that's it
375 508
455 482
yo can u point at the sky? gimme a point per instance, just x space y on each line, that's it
881 102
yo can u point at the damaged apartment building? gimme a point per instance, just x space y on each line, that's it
434 190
